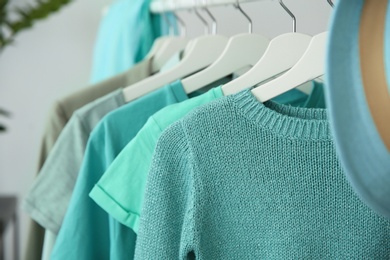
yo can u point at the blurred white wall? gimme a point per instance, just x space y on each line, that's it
46 62
54 59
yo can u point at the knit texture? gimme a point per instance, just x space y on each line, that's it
238 179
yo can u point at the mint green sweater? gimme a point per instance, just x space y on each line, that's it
237 179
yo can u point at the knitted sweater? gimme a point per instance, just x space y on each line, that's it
238 179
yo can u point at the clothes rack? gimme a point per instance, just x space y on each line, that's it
160 6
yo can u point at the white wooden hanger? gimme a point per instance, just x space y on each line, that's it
242 50
202 52
310 66
157 44
166 46
283 52
169 45
160 41
169 48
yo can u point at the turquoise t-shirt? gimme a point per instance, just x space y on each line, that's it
121 193
87 232
125 36
121 189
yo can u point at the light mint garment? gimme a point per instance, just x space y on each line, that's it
87 231
48 198
238 179
125 36
363 154
120 191
48 244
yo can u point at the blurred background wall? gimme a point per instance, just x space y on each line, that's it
45 63
54 58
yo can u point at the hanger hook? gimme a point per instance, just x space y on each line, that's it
206 28
331 3
291 14
214 26
183 28
170 25
237 5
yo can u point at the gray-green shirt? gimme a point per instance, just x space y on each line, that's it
49 196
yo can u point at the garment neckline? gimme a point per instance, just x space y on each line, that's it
284 120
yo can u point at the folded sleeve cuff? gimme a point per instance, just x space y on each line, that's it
113 208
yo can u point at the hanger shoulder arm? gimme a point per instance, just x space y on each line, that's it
309 67
282 53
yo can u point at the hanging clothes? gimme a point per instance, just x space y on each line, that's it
108 241
121 189
138 151
125 37
201 175
239 179
111 135
48 198
60 114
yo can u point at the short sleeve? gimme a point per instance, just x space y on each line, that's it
50 193
120 191
87 232
166 227
54 125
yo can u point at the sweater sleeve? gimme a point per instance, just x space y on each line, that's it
165 229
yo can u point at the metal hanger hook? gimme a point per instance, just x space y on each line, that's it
183 28
214 26
331 3
237 5
171 31
206 28
291 14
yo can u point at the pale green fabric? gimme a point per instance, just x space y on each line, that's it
48 198
48 244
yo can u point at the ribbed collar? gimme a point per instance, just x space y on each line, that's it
287 121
